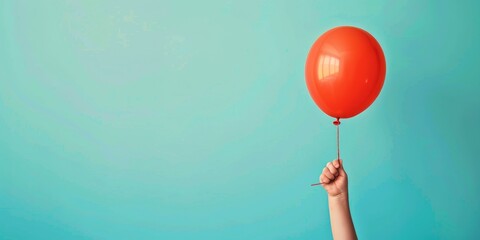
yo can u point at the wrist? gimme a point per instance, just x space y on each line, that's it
339 201
343 196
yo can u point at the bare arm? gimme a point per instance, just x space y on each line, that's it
334 180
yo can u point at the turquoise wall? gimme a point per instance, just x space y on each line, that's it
191 120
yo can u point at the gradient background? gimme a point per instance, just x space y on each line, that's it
191 120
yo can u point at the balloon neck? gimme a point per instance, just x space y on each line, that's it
336 122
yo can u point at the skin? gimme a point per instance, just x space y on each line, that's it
335 182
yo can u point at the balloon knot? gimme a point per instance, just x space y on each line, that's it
336 122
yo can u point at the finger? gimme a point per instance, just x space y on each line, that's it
324 179
336 163
332 169
328 174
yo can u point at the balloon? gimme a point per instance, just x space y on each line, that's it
345 71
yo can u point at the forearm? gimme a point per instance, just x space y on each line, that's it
340 218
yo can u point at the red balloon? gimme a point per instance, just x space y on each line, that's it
345 71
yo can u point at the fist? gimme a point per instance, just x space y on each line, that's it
334 178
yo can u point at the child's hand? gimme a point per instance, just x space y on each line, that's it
334 178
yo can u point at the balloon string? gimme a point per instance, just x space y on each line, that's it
337 124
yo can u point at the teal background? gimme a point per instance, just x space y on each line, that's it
191 120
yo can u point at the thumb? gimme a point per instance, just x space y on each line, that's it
341 170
